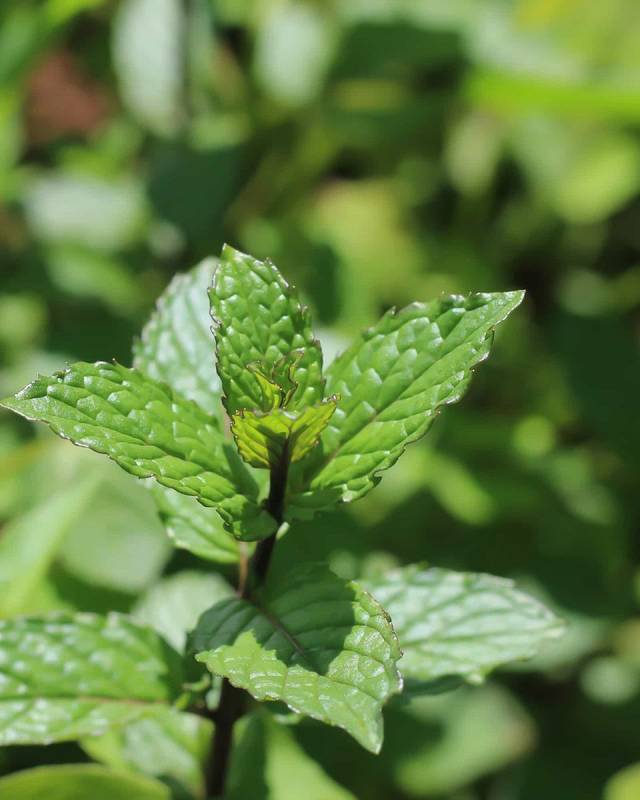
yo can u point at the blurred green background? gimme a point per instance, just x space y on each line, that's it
380 151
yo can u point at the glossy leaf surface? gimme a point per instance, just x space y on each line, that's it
392 383
150 431
68 677
259 320
265 440
461 624
321 645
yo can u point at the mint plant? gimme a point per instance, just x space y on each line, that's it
235 458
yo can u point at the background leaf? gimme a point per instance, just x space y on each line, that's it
177 344
171 745
452 623
79 781
68 677
172 607
286 773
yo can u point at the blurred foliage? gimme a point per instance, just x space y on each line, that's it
380 151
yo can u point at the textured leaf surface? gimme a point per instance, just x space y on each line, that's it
265 440
151 431
319 644
464 624
259 319
177 345
80 782
391 383
171 745
67 677
191 526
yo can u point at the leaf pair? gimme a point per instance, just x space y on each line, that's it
380 395
330 651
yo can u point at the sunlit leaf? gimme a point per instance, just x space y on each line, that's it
392 382
265 440
177 345
67 677
461 624
259 319
321 645
79 781
150 431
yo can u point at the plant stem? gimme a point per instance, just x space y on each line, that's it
231 705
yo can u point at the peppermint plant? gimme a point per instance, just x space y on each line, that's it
238 446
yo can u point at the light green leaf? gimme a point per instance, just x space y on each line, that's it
392 382
148 60
177 345
320 644
259 319
102 214
30 543
193 527
288 774
150 431
456 739
173 745
127 548
80 782
461 624
625 785
65 677
173 605
266 440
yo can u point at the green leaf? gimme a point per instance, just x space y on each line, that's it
65 677
173 745
150 431
127 548
173 605
461 624
80 782
625 785
266 440
392 382
177 345
30 543
280 769
193 527
456 739
321 645
147 59
259 319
